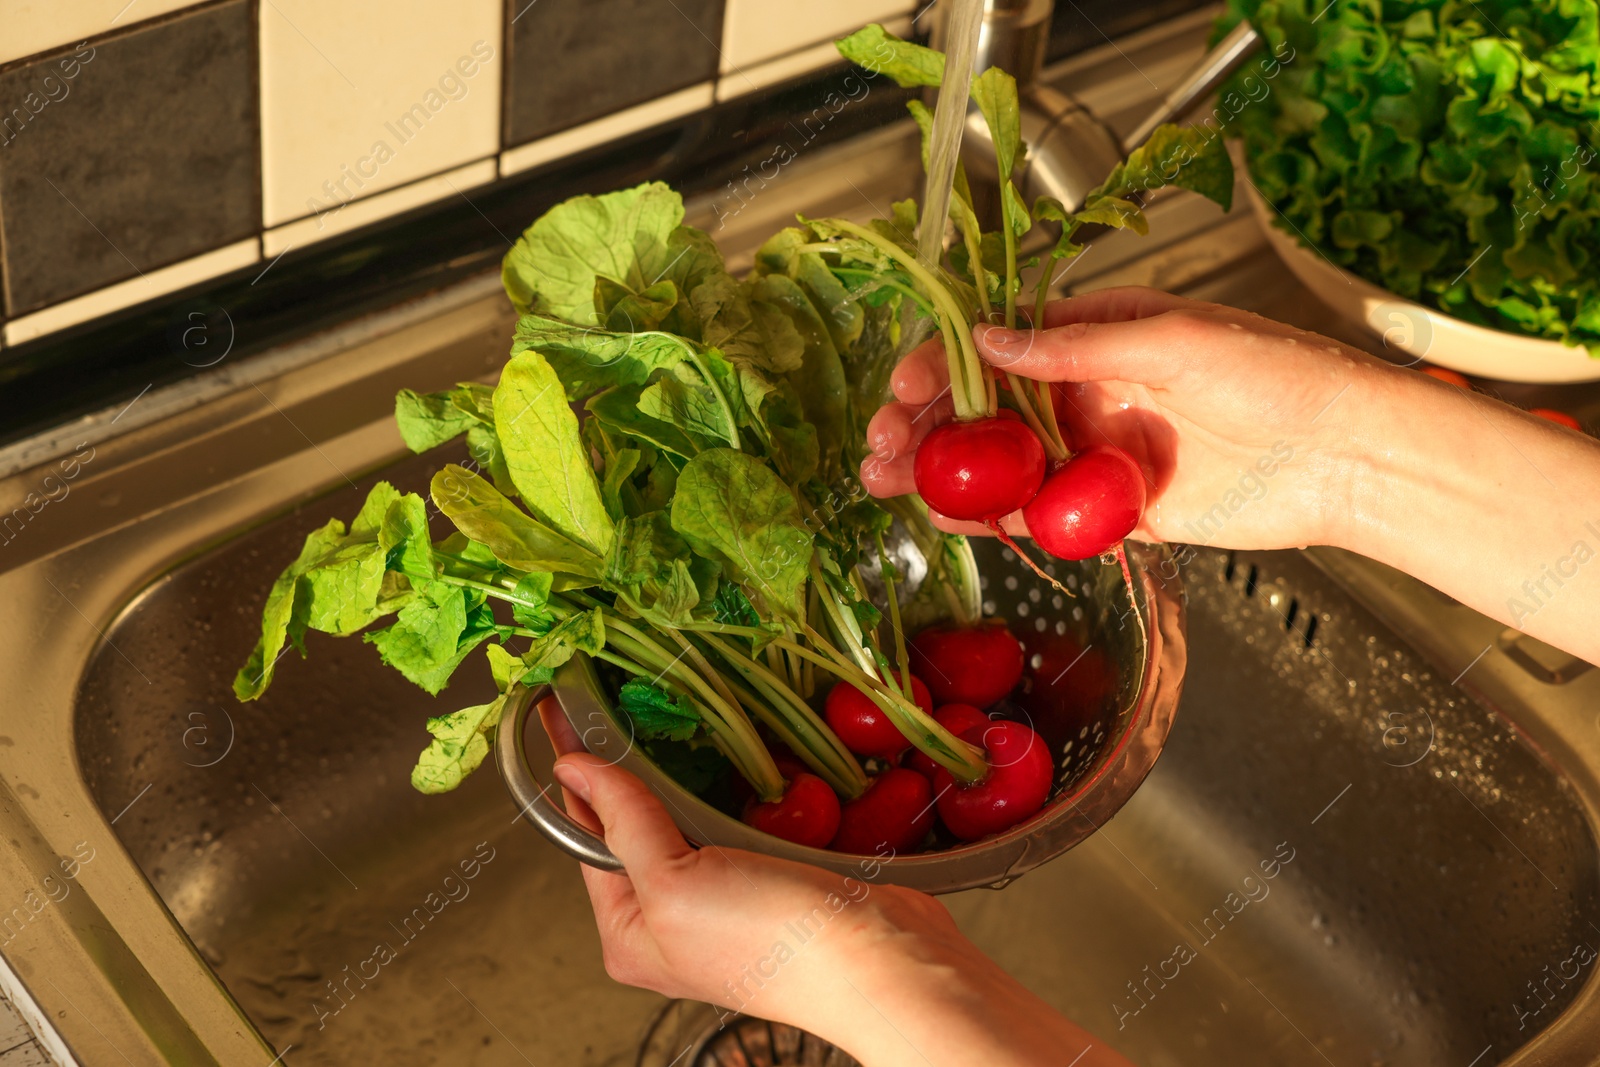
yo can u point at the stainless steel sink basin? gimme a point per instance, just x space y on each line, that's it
1370 840
1338 855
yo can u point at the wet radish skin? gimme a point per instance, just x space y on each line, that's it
980 469
863 726
1016 787
807 813
975 665
1088 505
894 814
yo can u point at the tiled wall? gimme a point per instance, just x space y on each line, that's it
148 145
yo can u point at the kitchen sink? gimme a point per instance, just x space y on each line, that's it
1371 839
1337 856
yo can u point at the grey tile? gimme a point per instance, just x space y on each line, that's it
571 62
145 155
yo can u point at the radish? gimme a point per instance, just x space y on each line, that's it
1560 418
979 469
896 812
863 726
1016 787
807 813
975 665
958 719
1449 377
1088 505
1068 686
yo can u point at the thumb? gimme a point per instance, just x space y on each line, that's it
637 827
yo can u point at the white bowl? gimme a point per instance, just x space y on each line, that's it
1424 332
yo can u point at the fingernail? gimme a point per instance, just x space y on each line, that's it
570 776
998 336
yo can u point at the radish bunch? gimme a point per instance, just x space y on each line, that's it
991 461
911 794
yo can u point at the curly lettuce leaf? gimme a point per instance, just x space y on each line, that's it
1443 151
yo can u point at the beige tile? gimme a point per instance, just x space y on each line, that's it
762 75
147 286
358 213
567 142
31 26
754 31
360 96
793 65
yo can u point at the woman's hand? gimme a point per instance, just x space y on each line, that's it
1253 434
879 970
703 923
1245 428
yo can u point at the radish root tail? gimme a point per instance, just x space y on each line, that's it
1005 539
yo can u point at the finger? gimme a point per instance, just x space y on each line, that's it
889 430
922 375
1125 303
638 829
563 737
897 429
1146 351
885 478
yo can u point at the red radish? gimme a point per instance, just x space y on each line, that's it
1449 377
1560 418
863 726
1088 505
807 814
980 469
1069 684
958 719
977 665
896 812
1017 785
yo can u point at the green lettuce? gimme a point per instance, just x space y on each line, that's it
1444 151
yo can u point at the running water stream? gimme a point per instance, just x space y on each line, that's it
949 119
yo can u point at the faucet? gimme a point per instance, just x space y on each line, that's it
1070 151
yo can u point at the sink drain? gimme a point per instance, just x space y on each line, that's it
690 1034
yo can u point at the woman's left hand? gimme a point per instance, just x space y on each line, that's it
877 969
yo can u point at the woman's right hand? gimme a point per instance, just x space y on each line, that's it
1248 430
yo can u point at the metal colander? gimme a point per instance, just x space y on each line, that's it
1106 668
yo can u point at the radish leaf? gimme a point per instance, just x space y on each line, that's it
733 509
622 236
480 511
909 65
547 459
656 714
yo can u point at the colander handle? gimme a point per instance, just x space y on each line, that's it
533 800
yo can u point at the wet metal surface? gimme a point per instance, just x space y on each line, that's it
1338 854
